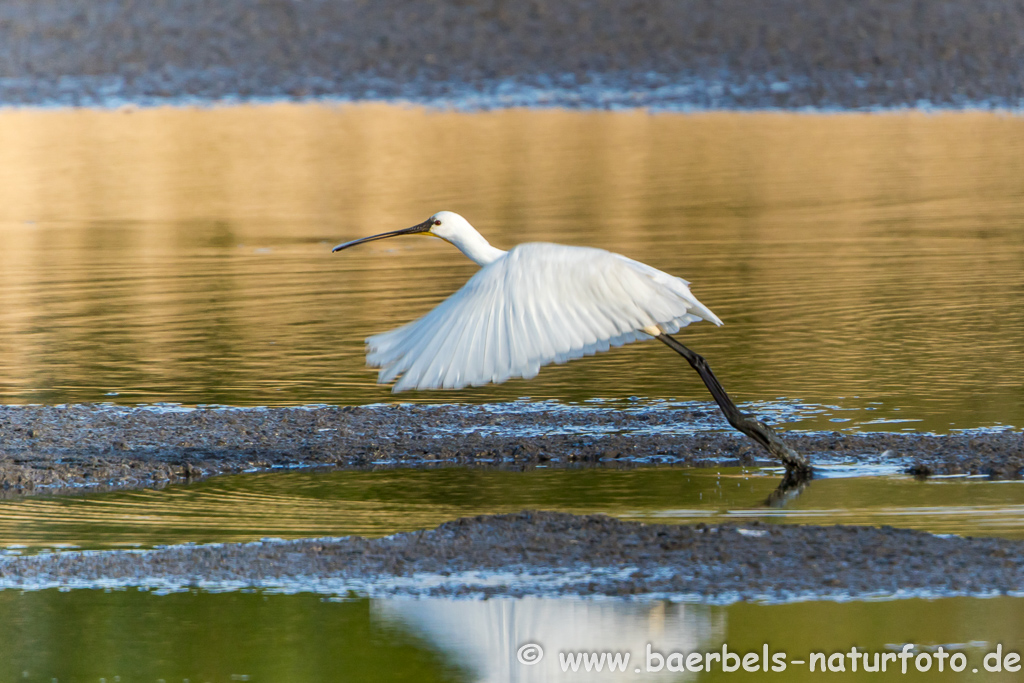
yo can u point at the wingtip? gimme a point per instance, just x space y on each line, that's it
706 314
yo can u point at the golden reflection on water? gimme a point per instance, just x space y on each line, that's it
310 504
179 254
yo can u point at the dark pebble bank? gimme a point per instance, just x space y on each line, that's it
545 553
586 53
95 447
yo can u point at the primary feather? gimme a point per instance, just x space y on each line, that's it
533 305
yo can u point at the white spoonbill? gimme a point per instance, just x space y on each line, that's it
540 303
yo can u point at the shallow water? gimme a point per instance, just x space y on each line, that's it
871 263
308 504
868 268
130 635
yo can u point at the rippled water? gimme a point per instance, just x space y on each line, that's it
868 268
309 504
868 262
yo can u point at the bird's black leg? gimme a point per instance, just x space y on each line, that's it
798 470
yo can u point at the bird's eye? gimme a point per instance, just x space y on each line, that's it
437 222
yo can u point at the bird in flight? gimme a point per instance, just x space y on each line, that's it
542 303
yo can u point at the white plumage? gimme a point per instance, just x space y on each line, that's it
535 304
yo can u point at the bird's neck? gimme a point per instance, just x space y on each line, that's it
476 248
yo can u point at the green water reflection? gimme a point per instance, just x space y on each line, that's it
308 504
91 635
867 261
130 635
971 626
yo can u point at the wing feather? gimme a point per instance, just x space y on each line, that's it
537 304
428 358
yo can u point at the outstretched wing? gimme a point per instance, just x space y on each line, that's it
536 304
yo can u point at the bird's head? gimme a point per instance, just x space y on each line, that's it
444 224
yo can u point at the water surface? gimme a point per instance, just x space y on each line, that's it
131 635
310 504
868 267
868 262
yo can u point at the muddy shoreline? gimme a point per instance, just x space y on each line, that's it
546 553
675 54
65 448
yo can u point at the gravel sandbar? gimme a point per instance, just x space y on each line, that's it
545 553
102 447
579 53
